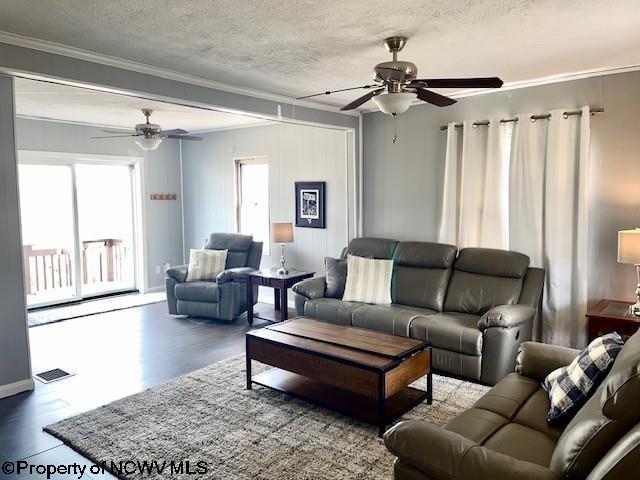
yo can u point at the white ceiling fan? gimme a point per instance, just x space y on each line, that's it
148 135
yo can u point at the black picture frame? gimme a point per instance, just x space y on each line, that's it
310 204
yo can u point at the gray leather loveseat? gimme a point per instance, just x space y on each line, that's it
226 298
475 306
505 435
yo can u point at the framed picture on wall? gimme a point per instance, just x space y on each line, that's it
310 204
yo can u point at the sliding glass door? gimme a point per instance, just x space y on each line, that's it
105 226
77 229
48 225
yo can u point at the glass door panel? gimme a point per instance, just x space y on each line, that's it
105 224
47 218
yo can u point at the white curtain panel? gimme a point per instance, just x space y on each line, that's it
524 187
476 186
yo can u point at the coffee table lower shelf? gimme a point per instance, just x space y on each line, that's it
339 400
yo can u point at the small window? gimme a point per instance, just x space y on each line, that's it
252 199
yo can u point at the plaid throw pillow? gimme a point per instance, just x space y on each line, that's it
569 387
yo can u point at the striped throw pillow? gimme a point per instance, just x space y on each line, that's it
205 264
368 280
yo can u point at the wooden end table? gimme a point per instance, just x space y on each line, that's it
355 371
280 284
612 316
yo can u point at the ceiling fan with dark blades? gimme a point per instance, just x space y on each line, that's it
150 135
396 84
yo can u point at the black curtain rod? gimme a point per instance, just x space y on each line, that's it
533 118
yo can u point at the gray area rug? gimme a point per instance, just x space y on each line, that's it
208 416
93 307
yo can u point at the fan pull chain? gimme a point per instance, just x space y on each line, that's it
395 127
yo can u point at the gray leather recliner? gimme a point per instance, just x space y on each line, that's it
225 298
475 306
505 435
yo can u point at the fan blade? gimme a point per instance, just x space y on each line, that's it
119 131
175 131
184 137
363 99
481 82
434 98
336 91
119 136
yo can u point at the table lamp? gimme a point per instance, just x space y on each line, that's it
282 233
629 252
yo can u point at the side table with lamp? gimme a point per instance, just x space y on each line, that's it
616 316
280 279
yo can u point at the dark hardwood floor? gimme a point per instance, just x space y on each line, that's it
112 355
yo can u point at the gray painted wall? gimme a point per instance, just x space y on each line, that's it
296 153
403 182
14 346
161 167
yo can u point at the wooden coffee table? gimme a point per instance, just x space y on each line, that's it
355 371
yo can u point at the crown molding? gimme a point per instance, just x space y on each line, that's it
87 55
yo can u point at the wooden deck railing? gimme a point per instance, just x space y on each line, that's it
103 260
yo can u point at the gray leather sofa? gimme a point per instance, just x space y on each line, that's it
505 435
226 298
475 306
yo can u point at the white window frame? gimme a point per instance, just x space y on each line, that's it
237 163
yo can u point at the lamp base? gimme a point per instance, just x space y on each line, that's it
635 309
284 271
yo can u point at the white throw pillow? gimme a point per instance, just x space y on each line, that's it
368 280
205 264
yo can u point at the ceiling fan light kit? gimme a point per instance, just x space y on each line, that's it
148 143
394 103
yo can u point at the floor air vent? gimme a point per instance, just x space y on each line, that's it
52 375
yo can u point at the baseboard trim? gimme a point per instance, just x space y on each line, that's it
17 387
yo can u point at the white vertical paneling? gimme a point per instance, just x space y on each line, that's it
296 153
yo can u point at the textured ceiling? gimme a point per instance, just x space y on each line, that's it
297 47
59 102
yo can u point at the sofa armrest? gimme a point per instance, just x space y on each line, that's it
178 273
537 360
237 274
506 316
311 287
444 455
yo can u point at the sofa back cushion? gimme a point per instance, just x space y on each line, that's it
606 417
237 246
483 278
378 248
421 274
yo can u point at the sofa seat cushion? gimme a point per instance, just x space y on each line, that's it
457 332
508 396
477 424
198 291
331 310
523 443
395 319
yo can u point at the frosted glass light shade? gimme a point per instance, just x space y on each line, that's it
282 232
391 103
629 246
148 143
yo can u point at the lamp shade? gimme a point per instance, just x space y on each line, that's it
282 232
629 246
398 102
